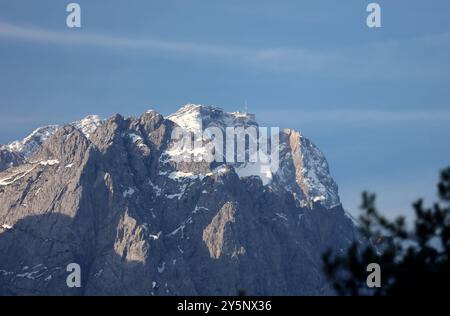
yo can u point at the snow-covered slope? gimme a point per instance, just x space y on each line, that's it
30 144
303 169
200 117
88 125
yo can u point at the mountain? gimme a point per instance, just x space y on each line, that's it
17 152
303 168
110 197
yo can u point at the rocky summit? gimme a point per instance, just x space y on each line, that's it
105 194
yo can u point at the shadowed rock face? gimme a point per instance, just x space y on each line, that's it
9 159
139 223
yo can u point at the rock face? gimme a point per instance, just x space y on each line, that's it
305 173
137 222
9 159
17 152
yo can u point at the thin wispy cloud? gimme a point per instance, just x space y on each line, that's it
103 40
393 59
273 58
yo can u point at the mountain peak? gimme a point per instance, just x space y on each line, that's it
88 124
198 117
30 144
304 170
119 202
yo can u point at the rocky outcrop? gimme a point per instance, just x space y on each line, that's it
9 159
304 171
219 232
19 151
139 223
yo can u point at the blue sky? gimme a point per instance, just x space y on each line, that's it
376 101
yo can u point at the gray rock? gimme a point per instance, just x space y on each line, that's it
9 159
140 224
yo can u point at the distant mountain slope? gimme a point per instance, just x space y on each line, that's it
138 222
19 151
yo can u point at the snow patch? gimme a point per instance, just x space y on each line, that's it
50 162
15 177
88 125
135 138
188 117
255 169
175 175
162 267
199 208
156 188
282 216
38 271
319 198
187 221
155 237
175 195
128 192
222 169
30 144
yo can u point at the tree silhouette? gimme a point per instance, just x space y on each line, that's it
413 261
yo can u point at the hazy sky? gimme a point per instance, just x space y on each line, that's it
376 101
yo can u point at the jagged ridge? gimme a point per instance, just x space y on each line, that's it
139 223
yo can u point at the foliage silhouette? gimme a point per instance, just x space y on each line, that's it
413 261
